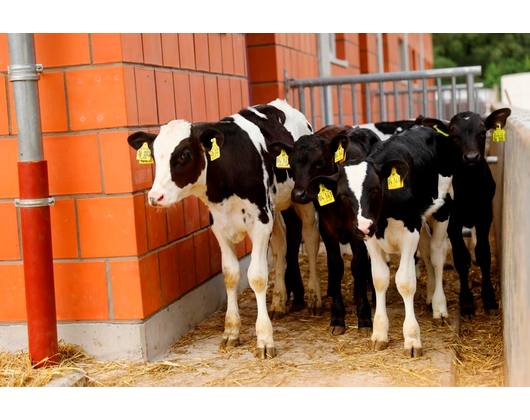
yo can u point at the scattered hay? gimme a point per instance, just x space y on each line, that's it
308 354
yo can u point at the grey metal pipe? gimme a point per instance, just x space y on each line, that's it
23 73
388 77
453 95
425 98
339 97
470 91
313 117
354 103
432 88
368 105
396 101
440 99
382 102
411 100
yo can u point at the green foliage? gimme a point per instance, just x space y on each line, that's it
498 54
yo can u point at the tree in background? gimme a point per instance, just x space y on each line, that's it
498 54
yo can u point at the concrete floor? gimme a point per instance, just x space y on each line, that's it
308 355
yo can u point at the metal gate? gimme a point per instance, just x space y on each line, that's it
410 92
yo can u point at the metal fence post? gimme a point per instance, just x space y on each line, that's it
34 203
470 80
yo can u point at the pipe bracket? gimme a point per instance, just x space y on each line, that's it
35 202
24 72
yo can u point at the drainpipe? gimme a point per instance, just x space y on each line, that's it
34 203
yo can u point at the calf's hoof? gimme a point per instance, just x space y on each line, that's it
266 352
468 317
229 342
438 322
297 307
314 310
337 329
277 315
491 312
380 345
413 352
365 332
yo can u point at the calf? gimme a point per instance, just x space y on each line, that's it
385 130
474 189
314 155
227 165
390 219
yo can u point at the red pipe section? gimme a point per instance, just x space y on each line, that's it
38 264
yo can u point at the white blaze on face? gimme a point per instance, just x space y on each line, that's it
356 174
164 191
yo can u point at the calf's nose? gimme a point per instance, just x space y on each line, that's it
298 195
471 157
155 198
364 225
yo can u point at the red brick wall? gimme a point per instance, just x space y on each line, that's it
116 258
270 54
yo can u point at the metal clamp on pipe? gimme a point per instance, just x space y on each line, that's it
35 202
23 72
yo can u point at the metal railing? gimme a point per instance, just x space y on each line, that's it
429 96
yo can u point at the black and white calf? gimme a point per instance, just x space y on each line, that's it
390 220
385 130
314 155
474 189
227 165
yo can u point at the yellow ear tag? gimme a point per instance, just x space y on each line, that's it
215 151
394 180
440 131
339 154
499 135
325 196
282 160
144 156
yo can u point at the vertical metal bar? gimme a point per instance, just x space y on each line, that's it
326 105
440 113
368 107
411 100
459 103
477 92
470 79
396 100
301 99
354 104
453 96
339 96
35 221
286 78
382 100
313 117
425 99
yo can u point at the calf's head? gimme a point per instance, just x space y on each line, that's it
311 156
360 187
179 154
467 131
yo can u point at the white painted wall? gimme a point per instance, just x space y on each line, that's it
518 88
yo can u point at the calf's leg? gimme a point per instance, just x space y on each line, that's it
231 273
483 256
279 250
311 241
257 278
406 285
360 269
293 277
437 248
381 277
462 260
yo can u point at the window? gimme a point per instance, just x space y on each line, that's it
332 39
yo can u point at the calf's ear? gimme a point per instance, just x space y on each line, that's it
497 117
402 169
207 137
435 124
339 139
330 182
276 148
136 140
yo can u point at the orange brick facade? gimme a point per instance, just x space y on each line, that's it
116 258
